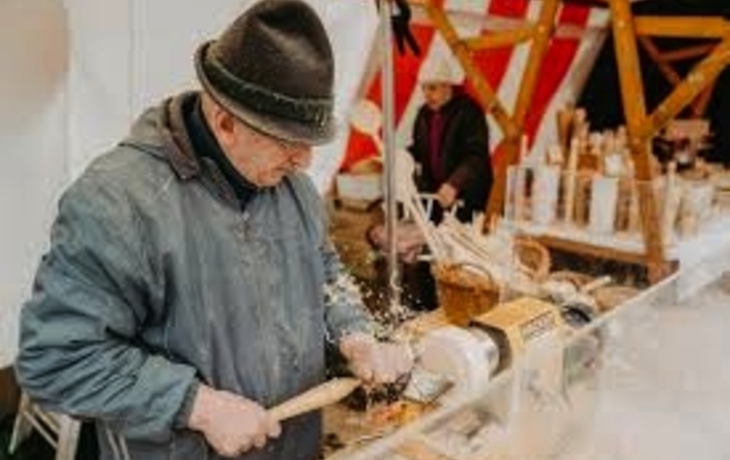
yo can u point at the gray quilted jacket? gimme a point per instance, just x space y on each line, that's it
156 281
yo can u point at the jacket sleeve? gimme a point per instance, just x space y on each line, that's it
345 311
475 162
79 345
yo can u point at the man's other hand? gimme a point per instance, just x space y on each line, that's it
231 423
373 361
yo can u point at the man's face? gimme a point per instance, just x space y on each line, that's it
436 94
265 160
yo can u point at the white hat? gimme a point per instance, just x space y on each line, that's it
440 68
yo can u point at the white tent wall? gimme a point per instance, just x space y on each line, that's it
33 138
98 84
130 54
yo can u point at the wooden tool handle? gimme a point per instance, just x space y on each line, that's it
318 397
595 284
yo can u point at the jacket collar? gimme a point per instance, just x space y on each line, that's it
180 151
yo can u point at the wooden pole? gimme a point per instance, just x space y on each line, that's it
632 94
389 154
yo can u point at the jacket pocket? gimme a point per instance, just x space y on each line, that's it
184 445
188 445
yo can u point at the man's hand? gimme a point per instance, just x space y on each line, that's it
231 423
446 195
373 361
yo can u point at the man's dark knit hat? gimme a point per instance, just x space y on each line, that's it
273 69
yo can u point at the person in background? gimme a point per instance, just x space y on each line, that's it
451 141
190 283
450 145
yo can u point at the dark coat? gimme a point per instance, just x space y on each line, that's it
464 152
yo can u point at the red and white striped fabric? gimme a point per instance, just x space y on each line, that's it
562 76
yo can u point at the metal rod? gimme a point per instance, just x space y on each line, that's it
389 152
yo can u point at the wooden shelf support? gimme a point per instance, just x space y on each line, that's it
632 94
699 78
699 104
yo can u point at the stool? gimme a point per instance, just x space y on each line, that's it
60 430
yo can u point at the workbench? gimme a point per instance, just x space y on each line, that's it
513 416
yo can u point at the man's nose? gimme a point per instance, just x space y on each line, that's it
301 155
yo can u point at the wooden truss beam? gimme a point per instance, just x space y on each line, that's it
507 38
682 27
667 70
699 104
632 94
699 78
688 52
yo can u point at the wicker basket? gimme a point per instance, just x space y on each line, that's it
463 294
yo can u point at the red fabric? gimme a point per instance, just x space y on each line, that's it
493 63
360 146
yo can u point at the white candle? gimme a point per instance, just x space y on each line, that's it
604 197
545 195
570 177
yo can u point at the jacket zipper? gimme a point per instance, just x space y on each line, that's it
270 358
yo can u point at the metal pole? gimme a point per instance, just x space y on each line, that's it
389 153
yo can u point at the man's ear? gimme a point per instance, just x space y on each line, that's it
224 126
220 121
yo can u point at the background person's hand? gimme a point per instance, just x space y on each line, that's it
373 361
446 195
231 423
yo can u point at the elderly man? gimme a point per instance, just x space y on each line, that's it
190 283
451 140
